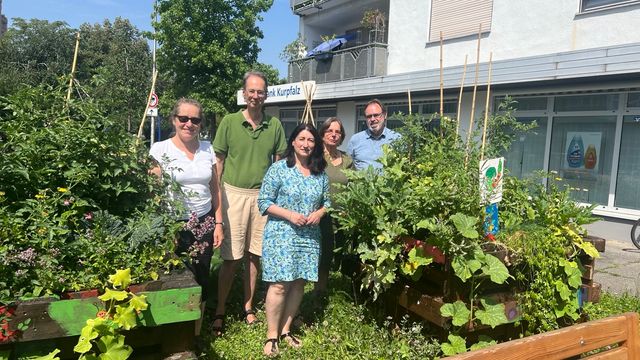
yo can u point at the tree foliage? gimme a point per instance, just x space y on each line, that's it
207 45
34 52
114 62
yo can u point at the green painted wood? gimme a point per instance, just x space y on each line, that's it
72 315
172 306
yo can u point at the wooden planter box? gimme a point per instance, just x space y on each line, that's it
439 285
169 321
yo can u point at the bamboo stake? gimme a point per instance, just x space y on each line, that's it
464 72
486 109
73 66
473 99
409 96
441 82
144 116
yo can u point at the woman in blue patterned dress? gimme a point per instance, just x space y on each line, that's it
294 195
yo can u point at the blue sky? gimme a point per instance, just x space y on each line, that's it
280 26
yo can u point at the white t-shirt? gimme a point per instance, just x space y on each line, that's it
192 175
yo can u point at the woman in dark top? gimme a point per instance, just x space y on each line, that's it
332 134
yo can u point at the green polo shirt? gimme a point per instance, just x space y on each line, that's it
248 153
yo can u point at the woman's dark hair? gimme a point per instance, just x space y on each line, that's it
325 126
317 163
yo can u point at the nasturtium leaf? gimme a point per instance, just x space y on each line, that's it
457 311
563 290
51 355
116 295
588 248
466 225
492 315
121 279
495 269
464 268
125 316
138 302
88 332
574 276
456 345
483 342
428 224
82 346
113 348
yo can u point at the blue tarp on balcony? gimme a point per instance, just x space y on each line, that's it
327 46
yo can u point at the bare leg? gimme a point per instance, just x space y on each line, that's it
250 278
225 280
292 304
274 307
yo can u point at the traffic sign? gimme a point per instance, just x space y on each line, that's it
153 103
152 112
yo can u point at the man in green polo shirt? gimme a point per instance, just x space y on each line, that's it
246 144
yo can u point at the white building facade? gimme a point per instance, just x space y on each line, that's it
572 65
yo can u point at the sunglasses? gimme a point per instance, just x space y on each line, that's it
185 119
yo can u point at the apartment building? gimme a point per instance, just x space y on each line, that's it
572 65
3 21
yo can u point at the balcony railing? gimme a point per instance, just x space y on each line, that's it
352 63
300 7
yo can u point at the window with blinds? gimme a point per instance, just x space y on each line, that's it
459 18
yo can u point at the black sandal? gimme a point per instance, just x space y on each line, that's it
251 312
217 331
274 348
291 340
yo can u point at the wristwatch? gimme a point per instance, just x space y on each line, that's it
219 223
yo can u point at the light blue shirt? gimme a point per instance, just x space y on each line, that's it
365 149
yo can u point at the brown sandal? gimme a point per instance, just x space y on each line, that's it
291 340
274 348
246 315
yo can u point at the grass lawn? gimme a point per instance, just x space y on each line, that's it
340 328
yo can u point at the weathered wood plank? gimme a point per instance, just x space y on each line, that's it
567 342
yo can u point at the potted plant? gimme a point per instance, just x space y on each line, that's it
374 20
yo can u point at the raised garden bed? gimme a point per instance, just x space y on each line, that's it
166 327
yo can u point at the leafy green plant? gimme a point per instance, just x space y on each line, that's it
294 50
102 337
76 198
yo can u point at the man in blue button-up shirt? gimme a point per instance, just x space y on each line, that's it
365 147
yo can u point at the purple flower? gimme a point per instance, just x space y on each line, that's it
88 216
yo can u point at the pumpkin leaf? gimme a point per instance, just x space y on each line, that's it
457 311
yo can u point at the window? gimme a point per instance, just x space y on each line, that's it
426 108
526 154
524 103
598 102
586 5
627 194
633 101
582 154
459 18
290 118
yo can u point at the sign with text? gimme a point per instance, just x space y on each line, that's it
281 93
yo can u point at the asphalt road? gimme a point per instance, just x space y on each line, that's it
618 268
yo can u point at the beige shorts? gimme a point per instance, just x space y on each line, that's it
243 222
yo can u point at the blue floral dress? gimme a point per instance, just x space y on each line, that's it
291 252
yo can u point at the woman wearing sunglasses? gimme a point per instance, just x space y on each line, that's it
191 163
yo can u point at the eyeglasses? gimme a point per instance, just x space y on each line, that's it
376 116
185 119
260 93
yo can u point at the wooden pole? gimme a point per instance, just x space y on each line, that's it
486 109
464 72
409 96
473 99
441 81
144 116
73 66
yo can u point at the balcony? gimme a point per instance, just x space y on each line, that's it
351 63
